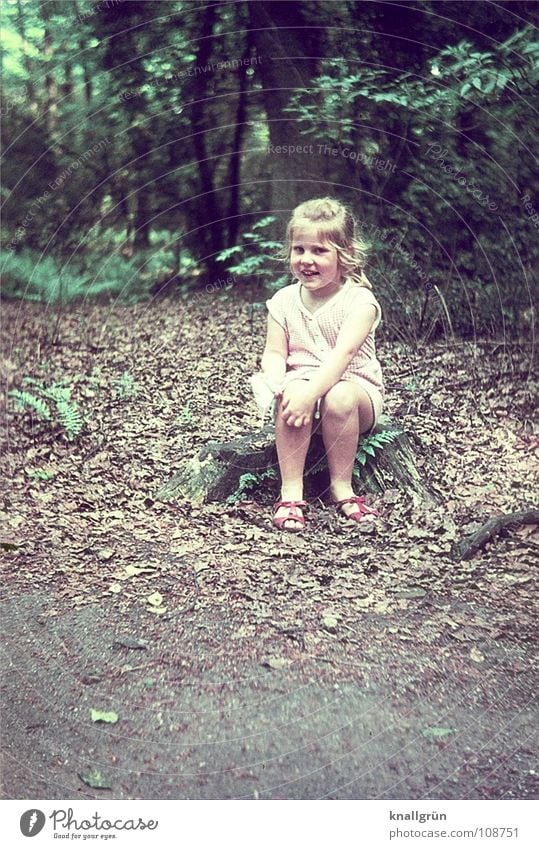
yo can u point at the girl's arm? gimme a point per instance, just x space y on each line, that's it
351 337
275 355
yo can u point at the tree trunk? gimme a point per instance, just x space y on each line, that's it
88 87
29 77
286 45
235 157
51 108
200 123
215 474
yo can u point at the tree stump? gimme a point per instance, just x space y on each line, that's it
220 470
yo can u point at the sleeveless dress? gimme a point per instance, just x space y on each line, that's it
312 336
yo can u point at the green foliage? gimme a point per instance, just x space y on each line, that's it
84 185
34 277
125 387
454 192
31 402
51 404
186 418
256 256
371 444
250 481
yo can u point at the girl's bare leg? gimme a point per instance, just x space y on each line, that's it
346 412
292 446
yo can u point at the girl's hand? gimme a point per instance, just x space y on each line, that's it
298 404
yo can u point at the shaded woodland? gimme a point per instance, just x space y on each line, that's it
155 143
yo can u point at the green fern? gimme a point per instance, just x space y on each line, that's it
70 417
67 412
249 481
27 401
373 443
255 256
125 386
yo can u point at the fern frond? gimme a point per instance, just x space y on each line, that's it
377 440
248 481
31 402
57 393
70 417
226 253
269 219
373 443
67 412
361 458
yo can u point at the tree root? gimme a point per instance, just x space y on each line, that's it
467 547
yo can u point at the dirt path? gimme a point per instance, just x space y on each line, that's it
383 707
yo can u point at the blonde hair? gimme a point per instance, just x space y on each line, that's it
338 227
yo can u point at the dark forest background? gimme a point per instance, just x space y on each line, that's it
162 145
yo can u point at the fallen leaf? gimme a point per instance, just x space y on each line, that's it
437 733
103 716
364 602
411 592
155 599
133 571
130 643
276 662
96 779
105 553
115 588
476 655
116 514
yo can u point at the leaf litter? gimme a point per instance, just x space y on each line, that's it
111 538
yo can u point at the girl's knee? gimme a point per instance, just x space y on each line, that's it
341 400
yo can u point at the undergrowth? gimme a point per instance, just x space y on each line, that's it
52 404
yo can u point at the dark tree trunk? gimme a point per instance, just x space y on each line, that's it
235 158
51 88
287 49
142 145
88 89
199 118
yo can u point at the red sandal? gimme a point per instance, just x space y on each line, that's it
359 514
293 514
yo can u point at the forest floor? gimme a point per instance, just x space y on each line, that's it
232 661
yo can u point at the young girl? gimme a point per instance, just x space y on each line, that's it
320 356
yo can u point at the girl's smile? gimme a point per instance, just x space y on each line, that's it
314 261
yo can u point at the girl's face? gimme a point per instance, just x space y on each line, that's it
313 261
